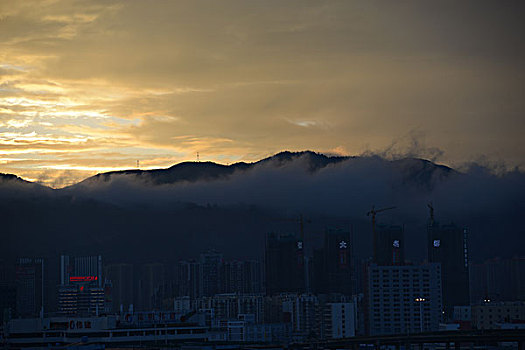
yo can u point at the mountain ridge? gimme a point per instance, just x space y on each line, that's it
417 171
412 170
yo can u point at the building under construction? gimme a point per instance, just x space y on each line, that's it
447 245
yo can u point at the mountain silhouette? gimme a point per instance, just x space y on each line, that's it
413 171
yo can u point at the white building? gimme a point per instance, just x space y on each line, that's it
462 313
301 309
47 332
245 331
404 299
182 304
230 306
489 314
338 320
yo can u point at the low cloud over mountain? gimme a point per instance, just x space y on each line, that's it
177 212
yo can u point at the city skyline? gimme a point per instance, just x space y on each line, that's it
262 174
88 87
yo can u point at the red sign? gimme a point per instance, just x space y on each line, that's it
83 278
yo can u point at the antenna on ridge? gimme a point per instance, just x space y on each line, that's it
138 164
198 157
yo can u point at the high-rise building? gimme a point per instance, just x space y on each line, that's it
390 245
151 282
404 299
30 286
241 277
82 291
121 277
284 264
188 279
85 269
7 293
78 300
7 302
447 245
210 274
498 280
333 265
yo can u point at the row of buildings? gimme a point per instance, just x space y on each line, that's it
322 291
334 268
84 286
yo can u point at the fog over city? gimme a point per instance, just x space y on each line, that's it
133 206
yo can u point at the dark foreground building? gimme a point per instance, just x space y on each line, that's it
333 265
498 280
29 286
447 245
390 245
284 264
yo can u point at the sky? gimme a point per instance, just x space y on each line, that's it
94 86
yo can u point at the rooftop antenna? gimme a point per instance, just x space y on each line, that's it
138 164
431 207
198 157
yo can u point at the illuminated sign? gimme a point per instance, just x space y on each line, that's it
83 278
342 245
299 245
437 243
395 244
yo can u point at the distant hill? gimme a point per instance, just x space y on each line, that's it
14 183
10 178
412 170
187 171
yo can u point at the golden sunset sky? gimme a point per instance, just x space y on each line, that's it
93 86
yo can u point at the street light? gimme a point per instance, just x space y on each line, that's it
420 301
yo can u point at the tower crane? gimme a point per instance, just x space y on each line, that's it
301 221
373 212
431 207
